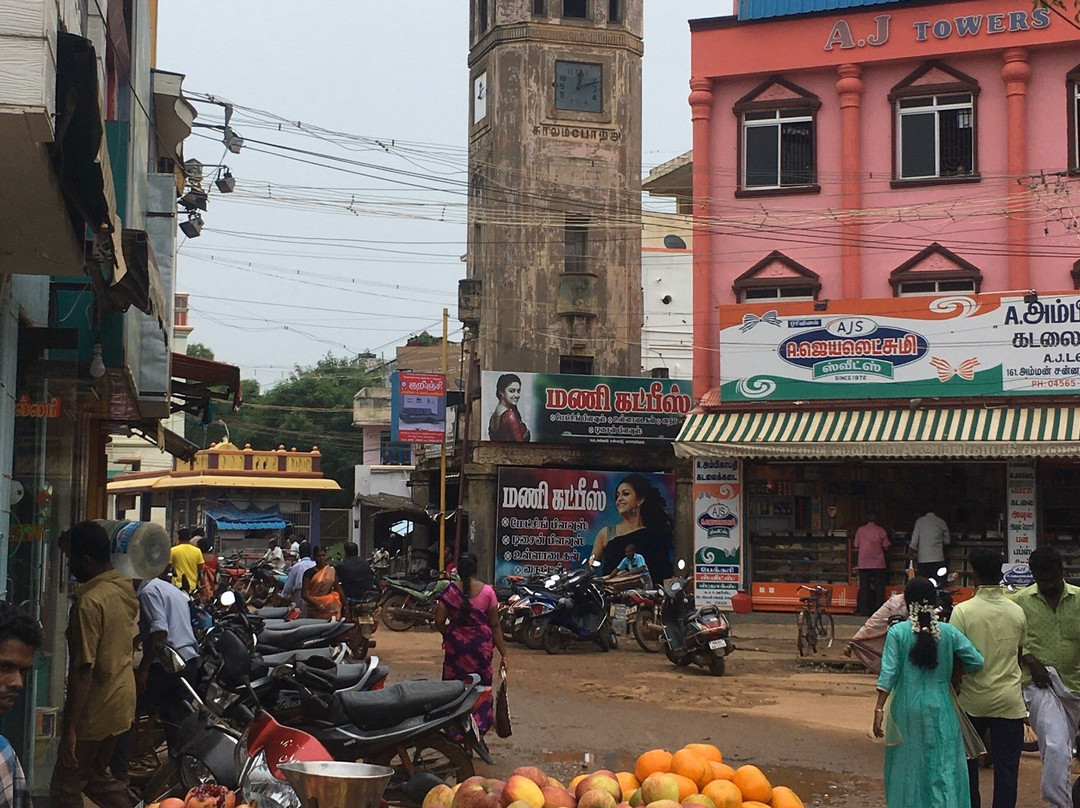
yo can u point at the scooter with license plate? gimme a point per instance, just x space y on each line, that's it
693 635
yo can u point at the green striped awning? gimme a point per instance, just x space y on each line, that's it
962 432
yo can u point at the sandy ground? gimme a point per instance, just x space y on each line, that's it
805 723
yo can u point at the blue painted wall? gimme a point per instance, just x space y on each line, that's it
764 9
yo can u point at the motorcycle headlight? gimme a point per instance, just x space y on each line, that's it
260 787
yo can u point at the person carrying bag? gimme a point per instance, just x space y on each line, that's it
502 708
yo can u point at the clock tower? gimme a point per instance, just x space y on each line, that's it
554 243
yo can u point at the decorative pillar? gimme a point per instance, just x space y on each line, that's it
706 371
849 88
1016 72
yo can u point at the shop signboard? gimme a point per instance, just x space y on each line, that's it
903 347
417 407
718 527
551 520
562 408
1020 520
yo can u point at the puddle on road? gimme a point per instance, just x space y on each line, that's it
816 787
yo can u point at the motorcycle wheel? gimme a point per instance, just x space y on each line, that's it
716 665
443 758
392 617
648 631
554 641
681 661
532 636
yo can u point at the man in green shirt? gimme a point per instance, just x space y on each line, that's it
1052 608
993 697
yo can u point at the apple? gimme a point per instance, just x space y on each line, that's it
664 804
552 781
596 798
520 788
520 804
474 794
534 774
557 797
603 781
698 799
495 786
441 795
659 786
635 798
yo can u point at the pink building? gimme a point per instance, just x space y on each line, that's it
864 162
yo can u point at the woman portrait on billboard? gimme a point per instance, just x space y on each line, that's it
644 522
505 423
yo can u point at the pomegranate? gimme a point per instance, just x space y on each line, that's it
210 795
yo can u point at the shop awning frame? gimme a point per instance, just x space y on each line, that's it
961 432
197 381
165 439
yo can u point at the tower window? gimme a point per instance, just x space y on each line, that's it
539 8
577 9
482 16
576 244
614 13
576 365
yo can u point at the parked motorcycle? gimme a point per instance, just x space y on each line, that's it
407 602
700 636
580 613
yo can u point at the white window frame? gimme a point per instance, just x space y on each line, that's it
753 119
968 284
933 105
757 294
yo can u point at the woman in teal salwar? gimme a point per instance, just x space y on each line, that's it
925 762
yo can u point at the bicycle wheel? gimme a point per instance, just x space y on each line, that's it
826 628
806 634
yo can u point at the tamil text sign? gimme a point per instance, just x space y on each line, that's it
553 408
904 347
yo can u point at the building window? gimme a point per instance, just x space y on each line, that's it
577 9
776 277
614 12
539 8
1073 85
576 365
393 453
935 124
778 148
777 151
934 271
482 16
576 244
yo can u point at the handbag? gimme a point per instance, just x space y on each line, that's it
973 742
502 708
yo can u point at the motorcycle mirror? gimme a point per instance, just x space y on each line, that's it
171 659
227 598
594 563
941 572
681 565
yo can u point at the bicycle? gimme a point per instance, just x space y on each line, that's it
814 620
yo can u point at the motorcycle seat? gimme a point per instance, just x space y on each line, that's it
280 624
272 612
282 636
382 709
274 660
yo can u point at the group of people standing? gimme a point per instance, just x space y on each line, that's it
997 662
926 551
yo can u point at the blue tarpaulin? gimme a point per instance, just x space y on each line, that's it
229 517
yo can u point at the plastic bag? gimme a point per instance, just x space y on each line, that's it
502 708
973 742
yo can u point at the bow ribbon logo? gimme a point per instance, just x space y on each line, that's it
965 370
750 320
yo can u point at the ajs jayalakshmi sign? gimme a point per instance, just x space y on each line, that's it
947 346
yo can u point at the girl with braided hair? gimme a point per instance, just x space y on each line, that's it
467 616
925 761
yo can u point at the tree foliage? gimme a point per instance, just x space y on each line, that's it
197 349
1062 8
312 407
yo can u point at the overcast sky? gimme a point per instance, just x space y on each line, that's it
346 231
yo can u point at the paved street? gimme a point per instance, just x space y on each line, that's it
804 723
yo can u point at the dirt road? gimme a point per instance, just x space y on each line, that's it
806 726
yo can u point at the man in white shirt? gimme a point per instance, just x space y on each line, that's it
928 540
294 584
274 556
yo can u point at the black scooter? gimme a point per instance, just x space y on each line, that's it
580 612
701 636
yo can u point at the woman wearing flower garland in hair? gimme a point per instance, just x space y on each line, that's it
925 762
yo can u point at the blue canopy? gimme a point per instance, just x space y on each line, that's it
229 517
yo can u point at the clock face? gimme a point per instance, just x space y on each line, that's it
579 86
480 94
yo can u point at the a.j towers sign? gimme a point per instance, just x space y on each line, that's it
906 347
859 34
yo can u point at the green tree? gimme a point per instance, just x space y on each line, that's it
197 349
1063 9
